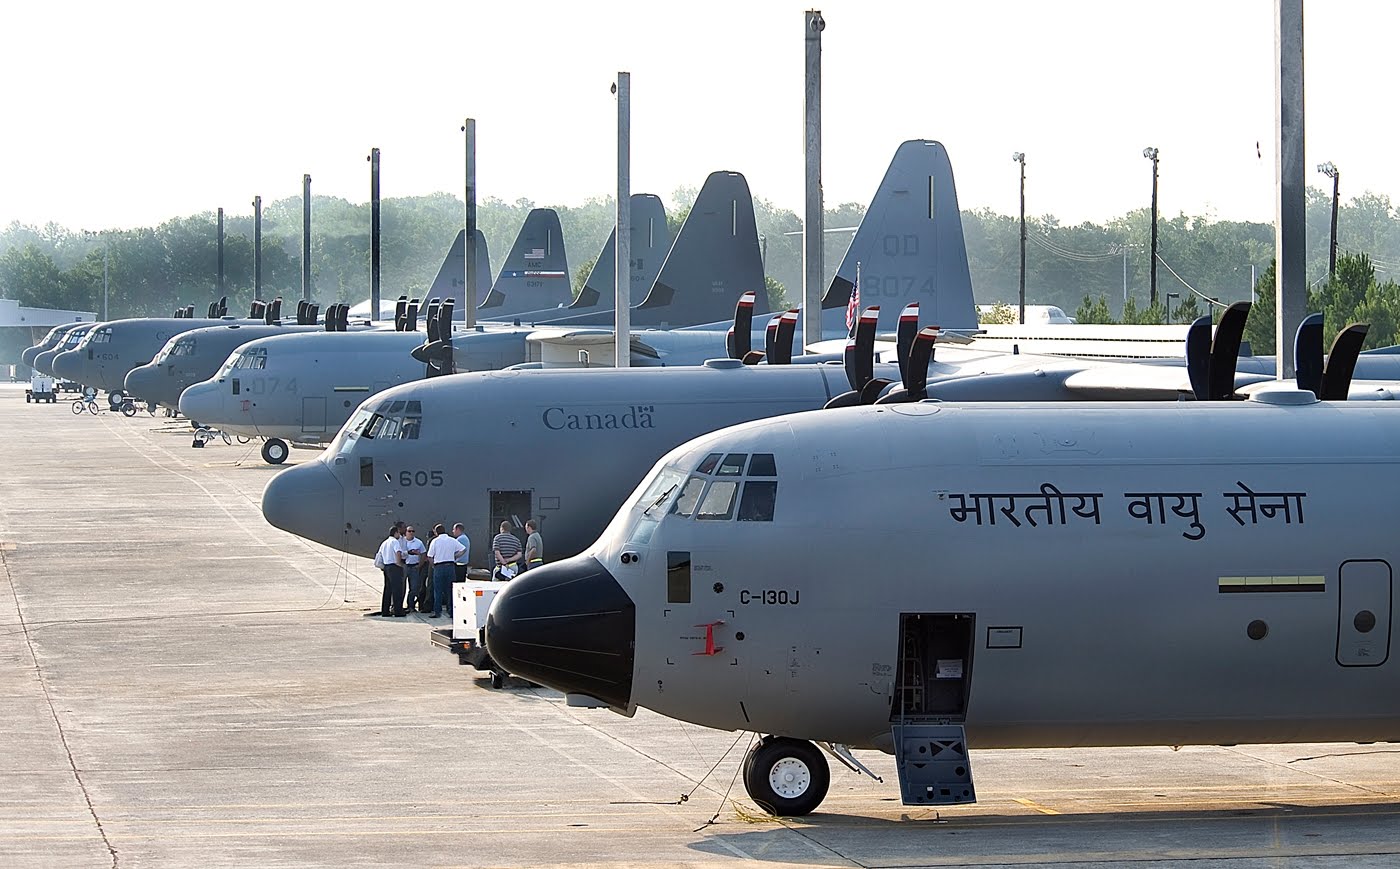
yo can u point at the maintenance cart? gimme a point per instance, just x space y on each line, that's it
471 601
40 389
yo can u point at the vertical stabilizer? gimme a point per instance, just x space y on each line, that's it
448 283
536 274
651 239
910 247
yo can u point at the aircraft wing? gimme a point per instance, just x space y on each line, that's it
1135 382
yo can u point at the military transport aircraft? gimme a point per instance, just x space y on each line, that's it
74 334
1058 575
301 388
48 342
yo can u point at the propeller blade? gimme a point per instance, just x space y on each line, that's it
401 314
787 328
301 312
267 314
870 393
1341 362
770 337
1307 354
920 355
313 312
1225 351
210 312
189 312
445 319
1198 357
845 399
753 357
277 309
253 312
904 338
223 306
330 317
863 362
411 316
740 340
848 362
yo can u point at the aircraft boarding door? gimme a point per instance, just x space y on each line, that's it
1363 621
509 506
313 414
933 680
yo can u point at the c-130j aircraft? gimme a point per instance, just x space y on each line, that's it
927 579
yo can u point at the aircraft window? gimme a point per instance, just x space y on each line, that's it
385 427
101 336
396 407
411 425
183 347
415 407
660 489
719 500
366 471
255 358
345 441
708 466
757 503
685 504
762 465
732 466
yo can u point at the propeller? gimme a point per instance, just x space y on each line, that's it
343 318
401 314
770 340
434 328
313 312
436 352
915 370
179 313
1210 360
411 316
301 312
781 353
904 337
269 313
1307 354
256 311
1341 362
333 317
277 309
739 341
213 311
189 312
223 306
859 360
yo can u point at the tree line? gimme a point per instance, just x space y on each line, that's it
1083 268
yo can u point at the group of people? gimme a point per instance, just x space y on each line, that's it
409 583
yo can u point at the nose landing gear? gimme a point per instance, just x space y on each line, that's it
786 776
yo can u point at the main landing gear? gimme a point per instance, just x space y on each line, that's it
786 776
274 451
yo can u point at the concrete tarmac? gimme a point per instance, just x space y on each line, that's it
184 685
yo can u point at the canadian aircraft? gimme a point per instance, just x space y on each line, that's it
48 342
302 388
68 339
1055 575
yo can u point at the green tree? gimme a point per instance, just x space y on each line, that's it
582 272
1094 310
777 294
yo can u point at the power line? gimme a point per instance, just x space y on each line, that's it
1193 290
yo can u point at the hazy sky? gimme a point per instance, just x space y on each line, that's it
128 113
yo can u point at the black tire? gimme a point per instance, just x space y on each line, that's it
78 406
787 777
498 680
115 399
274 451
128 408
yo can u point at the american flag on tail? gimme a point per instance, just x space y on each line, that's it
853 306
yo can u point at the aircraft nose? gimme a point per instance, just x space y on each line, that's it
568 625
30 354
308 501
68 365
139 381
201 402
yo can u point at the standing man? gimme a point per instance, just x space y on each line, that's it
464 557
443 552
534 545
390 559
413 552
505 547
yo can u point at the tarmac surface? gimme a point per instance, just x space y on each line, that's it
184 685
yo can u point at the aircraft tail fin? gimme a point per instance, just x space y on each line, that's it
651 239
449 281
536 273
909 245
713 262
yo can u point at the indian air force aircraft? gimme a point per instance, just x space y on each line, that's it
713 261
926 578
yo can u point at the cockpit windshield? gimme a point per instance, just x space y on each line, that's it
394 420
253 357
350 432
77 335
100 336
724 486
179 346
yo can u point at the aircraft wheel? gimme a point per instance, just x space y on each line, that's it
115 399
274 451
128 408
786 776
498 680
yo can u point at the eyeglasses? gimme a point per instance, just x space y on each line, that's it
409 530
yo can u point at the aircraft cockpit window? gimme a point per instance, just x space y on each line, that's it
396 407
762 465
387 425
718 502
660 489
255 358
757 503
690 495
708 466
183 347
732 466
101 336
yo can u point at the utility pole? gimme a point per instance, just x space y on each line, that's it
1020 157
1330 170
1151 154
622 248
1290 220
306 238
221 252
257 247
813 237
373 159
469 299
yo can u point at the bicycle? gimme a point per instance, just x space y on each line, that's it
87 402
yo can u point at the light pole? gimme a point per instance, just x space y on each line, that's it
102 235
1330 170
1020 157
1151 153
1171 296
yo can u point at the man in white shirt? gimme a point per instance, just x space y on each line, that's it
390 556
443 552
413 553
